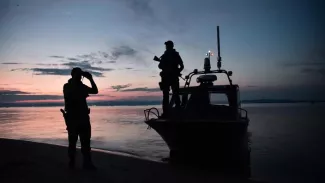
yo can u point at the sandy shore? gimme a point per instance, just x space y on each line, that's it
22 161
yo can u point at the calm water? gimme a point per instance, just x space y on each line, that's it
287 139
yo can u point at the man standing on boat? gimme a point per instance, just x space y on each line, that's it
171 65
77 115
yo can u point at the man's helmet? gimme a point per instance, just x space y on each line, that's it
169 43
77 71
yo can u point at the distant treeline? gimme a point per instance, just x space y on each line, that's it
281 101
147 103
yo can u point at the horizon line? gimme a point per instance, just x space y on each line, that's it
146 103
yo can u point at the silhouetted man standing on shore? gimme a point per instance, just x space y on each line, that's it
77 115
169 64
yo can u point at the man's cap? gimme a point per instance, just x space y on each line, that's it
169 42
76 70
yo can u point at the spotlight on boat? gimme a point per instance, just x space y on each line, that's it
229 73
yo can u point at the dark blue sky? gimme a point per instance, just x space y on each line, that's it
275 48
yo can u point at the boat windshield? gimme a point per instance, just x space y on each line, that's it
218 99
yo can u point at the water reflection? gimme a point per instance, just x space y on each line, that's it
287 142
113 128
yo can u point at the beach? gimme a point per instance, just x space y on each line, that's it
23 161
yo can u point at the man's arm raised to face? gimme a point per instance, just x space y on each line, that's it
93 89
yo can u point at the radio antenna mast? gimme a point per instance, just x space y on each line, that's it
219 54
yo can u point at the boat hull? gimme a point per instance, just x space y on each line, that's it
205 142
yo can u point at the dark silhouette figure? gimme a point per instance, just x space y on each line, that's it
77 115
171 65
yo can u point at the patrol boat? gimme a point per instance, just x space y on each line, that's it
204 130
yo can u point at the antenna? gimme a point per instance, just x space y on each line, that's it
218 44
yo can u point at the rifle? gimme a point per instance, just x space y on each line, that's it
64 113
158 60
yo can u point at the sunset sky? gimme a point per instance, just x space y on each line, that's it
276 48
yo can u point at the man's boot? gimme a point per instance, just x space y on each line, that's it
89 166
165 112
87 163
72 161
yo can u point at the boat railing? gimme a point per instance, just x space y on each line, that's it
155 112
147 113
188 78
